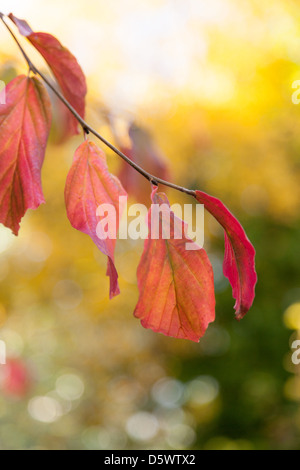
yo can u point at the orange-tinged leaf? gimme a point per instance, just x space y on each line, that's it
239 264
146 154
65 68
176 285
25 121
89 185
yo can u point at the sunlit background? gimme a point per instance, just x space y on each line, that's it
212 82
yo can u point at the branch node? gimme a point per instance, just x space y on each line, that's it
32 68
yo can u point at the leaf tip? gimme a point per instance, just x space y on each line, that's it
22 25
15 231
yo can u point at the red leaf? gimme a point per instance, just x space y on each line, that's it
65 68
89 184
239 264
145 153
15 378
176 285
25 121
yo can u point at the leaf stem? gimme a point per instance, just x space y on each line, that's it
88 129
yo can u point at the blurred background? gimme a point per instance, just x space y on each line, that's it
211 82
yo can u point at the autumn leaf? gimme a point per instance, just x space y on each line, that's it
146 154
176 285
65 68
15 380
25 121
239 264
90 185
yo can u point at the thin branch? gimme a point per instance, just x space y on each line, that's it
88 129
30 65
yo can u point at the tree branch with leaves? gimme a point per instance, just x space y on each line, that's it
176 285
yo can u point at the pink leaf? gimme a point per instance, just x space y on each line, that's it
25 121
89 185
65 68
239 264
